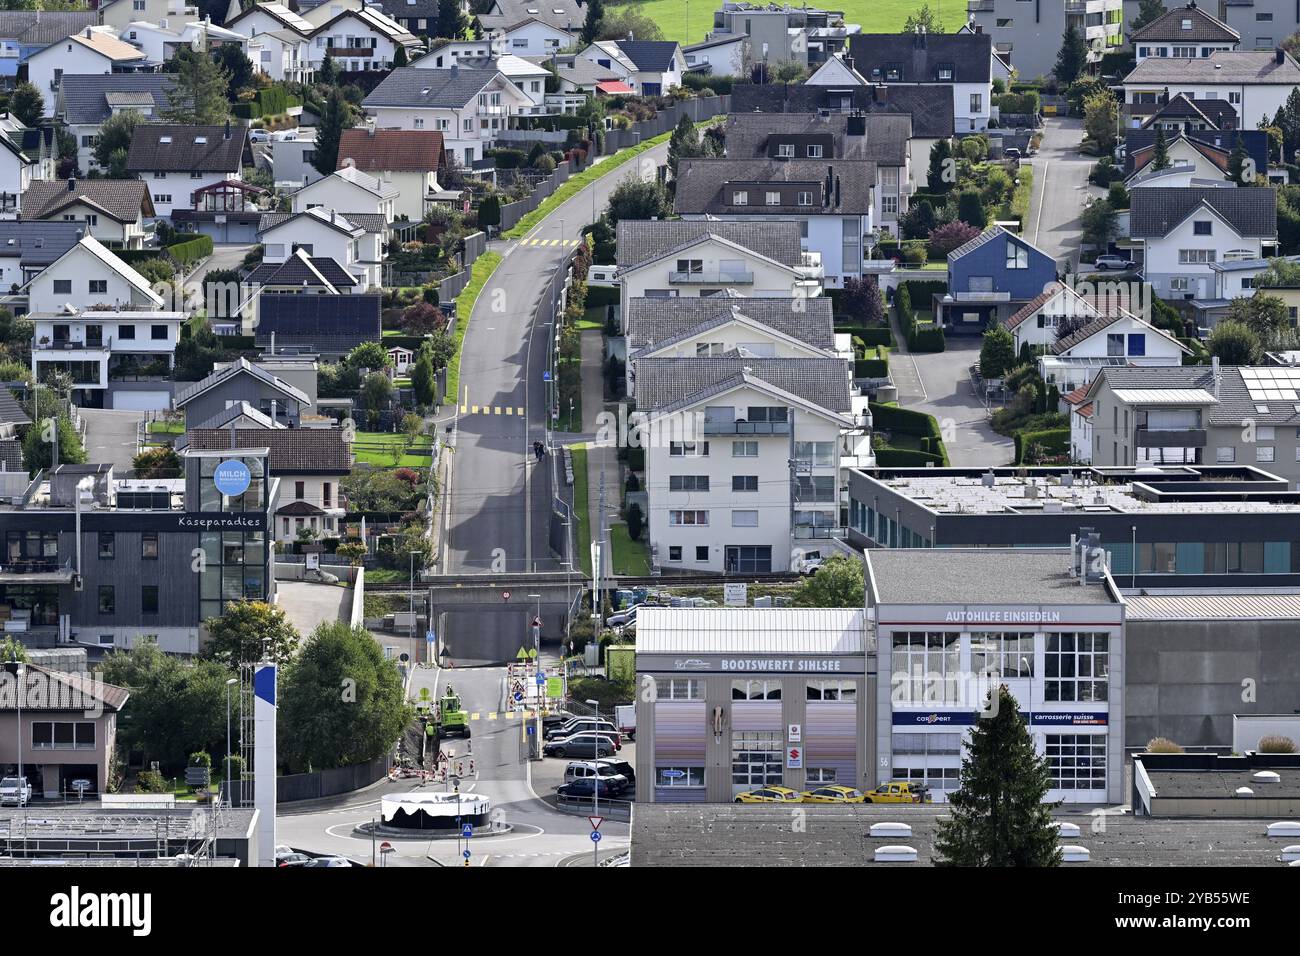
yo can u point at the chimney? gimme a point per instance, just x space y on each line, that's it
1279 56
837 190
979 29
455 69
880 93
1218 377
227 133
630 37
72 184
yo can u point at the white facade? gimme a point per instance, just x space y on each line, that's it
1254 101
171 190
126 235
44 69
357 251
119 13
1178 264
88 275
318 490
970 106
534 38
354 44
835 242
291 159
160 41
95 346
281 55
349 190
1127 341
724 59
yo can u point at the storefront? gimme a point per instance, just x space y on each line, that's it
733 699
953 624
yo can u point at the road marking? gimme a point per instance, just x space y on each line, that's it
1042 200
492 716
496 410
471 717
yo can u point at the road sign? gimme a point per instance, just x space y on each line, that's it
735 595
385 847
541 679
596 822
595 836
555 687
537 622
465 854
672 774
546 375
505 595
518 696
531 730
467 830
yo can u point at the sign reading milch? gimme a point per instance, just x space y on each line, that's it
232 478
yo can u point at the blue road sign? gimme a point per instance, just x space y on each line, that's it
595 836
532 729
541 680
467 830
546 376
518 696
672 774
465 854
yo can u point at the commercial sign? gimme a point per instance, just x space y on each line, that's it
934 718
210 521
232 477
717 664
1020 615
792 665
794 758
735 595
794 733
1069 719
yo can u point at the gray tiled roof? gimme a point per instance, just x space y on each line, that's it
1234 406
1158 209
241 410
43 27
1219 113
1227 66
11 413
369 221
702 185
1202 27
302 269
664 382
412 86
508 13
969 55
930 106
84 97
38 243
293 450
655 321
172 147
126 200
1085 332
240 365
640 240
753 135
649 56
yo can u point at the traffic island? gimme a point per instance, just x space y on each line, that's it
433 816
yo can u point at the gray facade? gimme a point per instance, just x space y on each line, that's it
1029 34
1263 24
226 387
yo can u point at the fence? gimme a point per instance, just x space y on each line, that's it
454 285
698 109
327 783
512 212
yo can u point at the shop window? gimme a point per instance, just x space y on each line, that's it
755 690
1077 761
1076 667
756 758
679 777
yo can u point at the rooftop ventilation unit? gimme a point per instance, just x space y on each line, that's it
1067 829
1244 792
1290 854
1283 828
885 830
988 479
895 854
1073 853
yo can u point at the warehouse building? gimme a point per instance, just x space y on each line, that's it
953 624
743 698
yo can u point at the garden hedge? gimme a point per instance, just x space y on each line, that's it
191 250
1055 441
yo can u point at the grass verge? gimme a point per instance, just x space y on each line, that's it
484 266
630 557
389 450
582 540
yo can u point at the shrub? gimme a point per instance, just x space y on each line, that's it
634 522
1276 744
944 239
200 758
150 781
1162 745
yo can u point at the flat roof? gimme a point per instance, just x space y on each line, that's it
1171 784
1227 606
978 576
738 835
751 630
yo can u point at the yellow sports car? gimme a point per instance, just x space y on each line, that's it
833 794
770 795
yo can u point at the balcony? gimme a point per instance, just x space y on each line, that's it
491 111
1171 438
36 571
745 428
1076 6
986 6
720 277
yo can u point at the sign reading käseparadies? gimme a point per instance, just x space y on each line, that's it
232 478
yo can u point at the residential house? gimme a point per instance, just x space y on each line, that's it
879 138
528 76
1262 24
467 106
329 325
266 18
117 357
959 62
1180 232
650 67
1117 338
351 190
159 42
1198 414
24 32
176 160
68 729
1255 83
243 381
19 166
441 54
580 78
299 275
743 458
12 417
84 102
115 211
989 279
407 160
355 241
533 27
721 56
360 41
1020 32
118 14
416 16
689 258
782 33
1182 114
226 210
1185 32
28 247
311 464
1206 154
293 159
283 55
1233 279
1062 307
830 200
89 276
93 51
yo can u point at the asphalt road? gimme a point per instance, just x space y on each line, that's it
1060 188
499 499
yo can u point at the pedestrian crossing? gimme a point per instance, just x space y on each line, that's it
505 714
557 243
492 410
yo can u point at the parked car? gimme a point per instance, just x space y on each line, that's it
834 794
292 859
898 793
808 562
620 767
770 795
1111 261
583 789
589 769
259 136
612 737
330 861
578 726
15 792
623 618
580 745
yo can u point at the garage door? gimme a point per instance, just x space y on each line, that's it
143 401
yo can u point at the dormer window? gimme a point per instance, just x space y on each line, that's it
740 198
815 151
1187 23
785 150
945 72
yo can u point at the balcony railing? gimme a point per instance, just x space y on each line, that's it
1171 437
746 428
728 277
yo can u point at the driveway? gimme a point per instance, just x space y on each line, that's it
225 255
308 605
111 436
1060 188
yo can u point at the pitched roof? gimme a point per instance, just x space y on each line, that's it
707 186
988 235
101 252
883 138
327 323
254 418
1220 114
69 692
920 55
655 321
1100 324
125 200
88 98
930 106
801 333
1254 141
276 11
563 15
38 243
1097 303
294 451
339 221
172 147
105 44
303 270
11 413
375 20
641 240
1189 23
650 56
379 150
245 367
40 28
1234 404
1226 66
1155 210
412 86
662 383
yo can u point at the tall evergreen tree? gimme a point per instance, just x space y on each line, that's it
591 26
200 86
452 23
1148 12
1237 163
943 170
27 103
329 70
1072 58
334 119
999 817
399 57
1160 159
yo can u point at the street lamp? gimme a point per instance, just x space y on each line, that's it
19 671
229 684
595 793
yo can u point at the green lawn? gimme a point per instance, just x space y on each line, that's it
582 540
630 557
593 318
482 270
378 448
874 16
166 428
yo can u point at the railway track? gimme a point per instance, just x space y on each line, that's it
632 582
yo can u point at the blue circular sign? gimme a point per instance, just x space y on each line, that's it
465 854
232 478
595 836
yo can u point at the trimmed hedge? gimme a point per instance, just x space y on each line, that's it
921 336
876 335
1055 441
906 458
871 368
906 421
1027 102
191 250
271 101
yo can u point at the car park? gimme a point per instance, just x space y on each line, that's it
589 769
620 767
833 794
579 745
579 726
770 795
